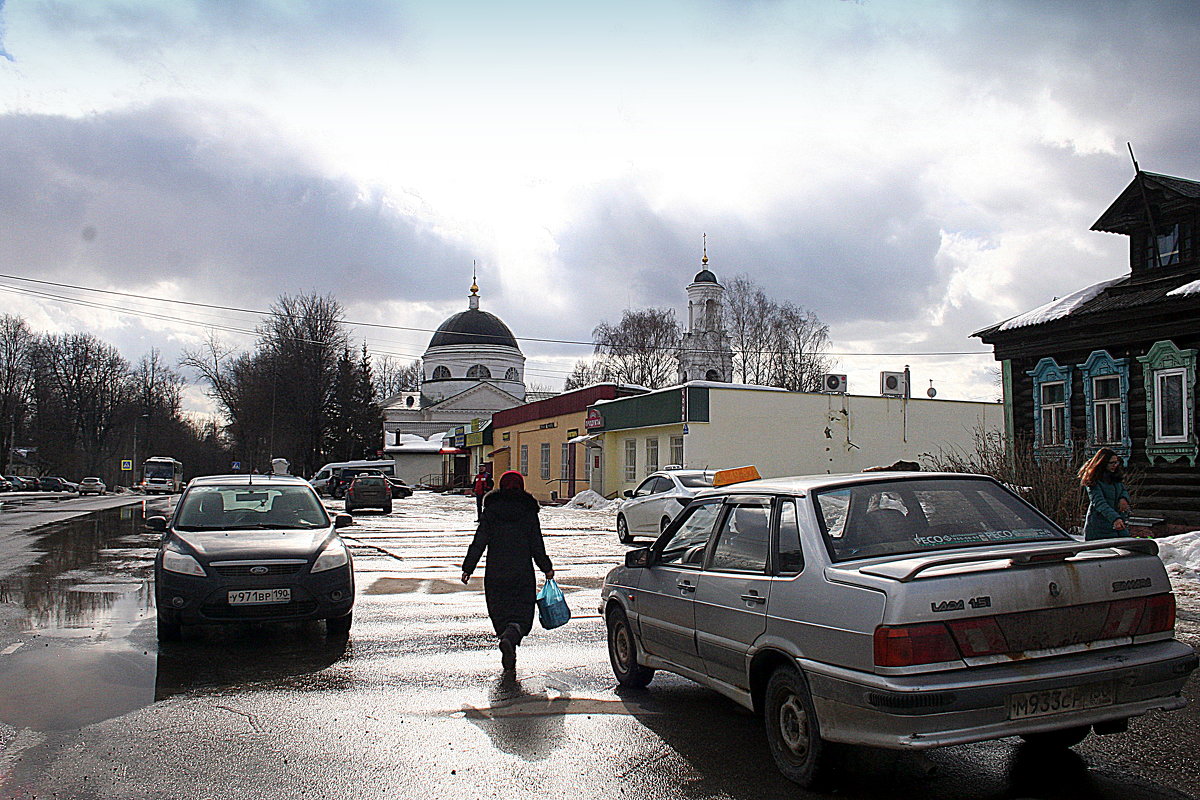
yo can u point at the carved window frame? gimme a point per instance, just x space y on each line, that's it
1050 371
1100 364
1165 358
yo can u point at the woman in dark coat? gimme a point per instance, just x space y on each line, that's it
1108 500
512 535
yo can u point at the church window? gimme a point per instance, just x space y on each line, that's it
479 371
441 374
512 374
710 315
712 375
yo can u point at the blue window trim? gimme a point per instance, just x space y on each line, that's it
1100 365
1049 371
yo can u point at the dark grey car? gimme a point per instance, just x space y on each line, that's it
251 548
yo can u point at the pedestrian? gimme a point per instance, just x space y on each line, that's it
510 532
1108 501
483 485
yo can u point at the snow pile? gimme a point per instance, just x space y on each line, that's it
1186 289
1181 554
590 499
1057 309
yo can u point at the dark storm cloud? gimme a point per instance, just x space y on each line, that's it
196 197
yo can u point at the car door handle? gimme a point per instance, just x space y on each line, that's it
754 597
686 586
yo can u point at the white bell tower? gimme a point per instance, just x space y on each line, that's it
705 353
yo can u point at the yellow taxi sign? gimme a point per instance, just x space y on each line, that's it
724 477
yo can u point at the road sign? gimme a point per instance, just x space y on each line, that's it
126 464
237 465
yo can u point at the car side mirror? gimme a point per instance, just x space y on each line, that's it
158 524
638 558
342 520
628 493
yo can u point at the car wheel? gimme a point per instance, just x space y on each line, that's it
339 626
1057 740
663 523
793 732
387 509
169 630
622 653
623 530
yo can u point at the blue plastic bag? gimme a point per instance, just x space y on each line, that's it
552 606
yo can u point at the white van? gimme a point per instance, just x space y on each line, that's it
320 481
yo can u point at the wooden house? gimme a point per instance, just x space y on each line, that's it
1114 364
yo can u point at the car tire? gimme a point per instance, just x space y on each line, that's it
623 530
663 523
622 653
169 630
793 731
1061 739
339 626
387 509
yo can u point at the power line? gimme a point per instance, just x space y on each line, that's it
355 323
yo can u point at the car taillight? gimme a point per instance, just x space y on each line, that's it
1123 618
1159 615
907 645
979 636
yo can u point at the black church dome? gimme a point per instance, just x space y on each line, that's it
473 327
705 276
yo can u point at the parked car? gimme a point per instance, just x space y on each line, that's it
22 484
898 610
92 486
400 489
369 491
53 484
251 548
655 502
6 485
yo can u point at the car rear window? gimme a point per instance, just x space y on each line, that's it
695 481
377 483
916 516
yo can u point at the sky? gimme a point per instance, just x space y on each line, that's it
911 171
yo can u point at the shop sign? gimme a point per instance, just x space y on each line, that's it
594 419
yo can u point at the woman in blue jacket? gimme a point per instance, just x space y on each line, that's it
1108 500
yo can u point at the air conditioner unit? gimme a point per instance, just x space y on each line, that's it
893 384
833 384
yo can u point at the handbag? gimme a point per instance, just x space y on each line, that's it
552 606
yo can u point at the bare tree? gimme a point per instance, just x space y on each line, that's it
587 372
642 348
16 349
774 343
392 376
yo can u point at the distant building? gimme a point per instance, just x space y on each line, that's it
1114 364
705 353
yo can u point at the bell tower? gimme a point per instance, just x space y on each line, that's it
705 353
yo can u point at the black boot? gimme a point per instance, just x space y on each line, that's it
508 647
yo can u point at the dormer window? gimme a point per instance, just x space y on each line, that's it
1174 245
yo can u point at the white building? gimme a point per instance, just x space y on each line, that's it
705 353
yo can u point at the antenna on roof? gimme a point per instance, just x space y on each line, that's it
1153 233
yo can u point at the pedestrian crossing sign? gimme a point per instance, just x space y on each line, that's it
126 464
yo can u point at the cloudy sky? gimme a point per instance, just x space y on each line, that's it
911 171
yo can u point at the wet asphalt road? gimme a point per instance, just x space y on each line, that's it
414 704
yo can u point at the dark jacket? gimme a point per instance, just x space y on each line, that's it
512 536
1103 498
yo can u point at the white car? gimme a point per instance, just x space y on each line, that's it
658 499
92 486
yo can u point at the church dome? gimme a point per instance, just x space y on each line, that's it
473 327
705 276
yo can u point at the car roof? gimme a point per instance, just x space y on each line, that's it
804 484
249 480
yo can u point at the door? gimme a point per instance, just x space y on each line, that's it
666 592
731 598
642 511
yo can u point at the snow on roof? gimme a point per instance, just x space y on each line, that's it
1186 289
1057 309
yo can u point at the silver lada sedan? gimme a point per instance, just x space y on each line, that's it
898 610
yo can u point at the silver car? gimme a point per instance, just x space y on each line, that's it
898 610
650 507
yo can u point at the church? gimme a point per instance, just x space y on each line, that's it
471 369
705 353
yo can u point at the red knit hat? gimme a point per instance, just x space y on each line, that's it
512 480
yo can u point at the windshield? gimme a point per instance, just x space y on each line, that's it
218 508
917 516
695 481
159 471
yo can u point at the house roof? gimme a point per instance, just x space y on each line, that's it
1128 212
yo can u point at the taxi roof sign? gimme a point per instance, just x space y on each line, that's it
724 477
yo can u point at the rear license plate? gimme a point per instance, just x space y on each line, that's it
258 597
1059 701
